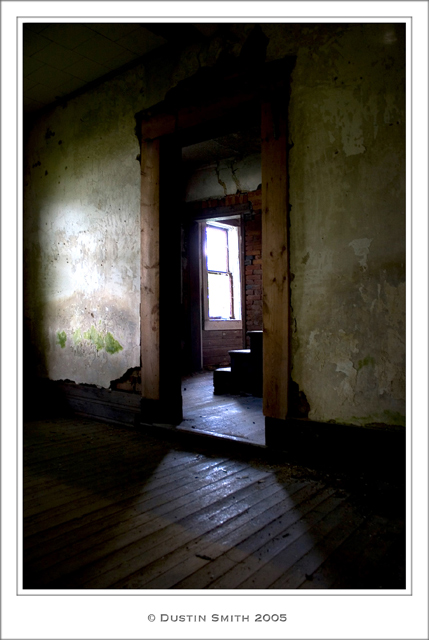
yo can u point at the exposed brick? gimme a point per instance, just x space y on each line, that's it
124 386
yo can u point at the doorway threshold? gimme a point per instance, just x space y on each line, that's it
230 423
234 417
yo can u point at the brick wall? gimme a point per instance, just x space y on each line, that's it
216 345
253 271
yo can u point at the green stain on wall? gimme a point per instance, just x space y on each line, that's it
394 417
100 341
387 418
62 337
95 337
112 345
366 362
77 336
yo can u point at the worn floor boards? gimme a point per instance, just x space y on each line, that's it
230 415
107 507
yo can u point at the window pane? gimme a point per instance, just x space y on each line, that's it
217 256
234 267
219 295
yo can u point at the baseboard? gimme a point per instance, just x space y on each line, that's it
342 446
117 407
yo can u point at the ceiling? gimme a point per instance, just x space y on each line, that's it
62 58
234 145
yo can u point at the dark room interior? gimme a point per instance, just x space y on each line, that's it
214 306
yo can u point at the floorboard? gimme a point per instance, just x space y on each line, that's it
107 507
236 416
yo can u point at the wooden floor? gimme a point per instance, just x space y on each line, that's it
107 507
233 416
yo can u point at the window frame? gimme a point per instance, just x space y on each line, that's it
227 324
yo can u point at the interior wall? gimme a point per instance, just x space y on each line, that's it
81 233
347 218
347 225
226 177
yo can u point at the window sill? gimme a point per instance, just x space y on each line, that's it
222 325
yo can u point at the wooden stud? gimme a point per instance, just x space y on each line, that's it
275 259
195 325
150 371
170 277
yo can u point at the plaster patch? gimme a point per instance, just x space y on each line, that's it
361 248
311 340
346 367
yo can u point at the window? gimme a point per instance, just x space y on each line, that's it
221 275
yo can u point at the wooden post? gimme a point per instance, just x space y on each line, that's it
160 282
275 258
195 327
150 269
170 276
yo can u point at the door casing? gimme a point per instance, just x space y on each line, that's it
183 118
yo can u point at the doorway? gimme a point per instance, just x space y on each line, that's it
222 286
171 125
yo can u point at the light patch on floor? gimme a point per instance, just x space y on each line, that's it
233 416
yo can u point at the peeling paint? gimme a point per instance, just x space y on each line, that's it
361 249
221 182
235 177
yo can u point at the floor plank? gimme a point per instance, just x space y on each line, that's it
114 508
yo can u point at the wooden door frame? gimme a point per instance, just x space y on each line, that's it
185 117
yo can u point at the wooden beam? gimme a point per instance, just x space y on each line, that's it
212 94
275 258
195 311
170 277
150 373
160 124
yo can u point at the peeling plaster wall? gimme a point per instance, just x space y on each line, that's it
224 178
82 237
347 195
347 219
